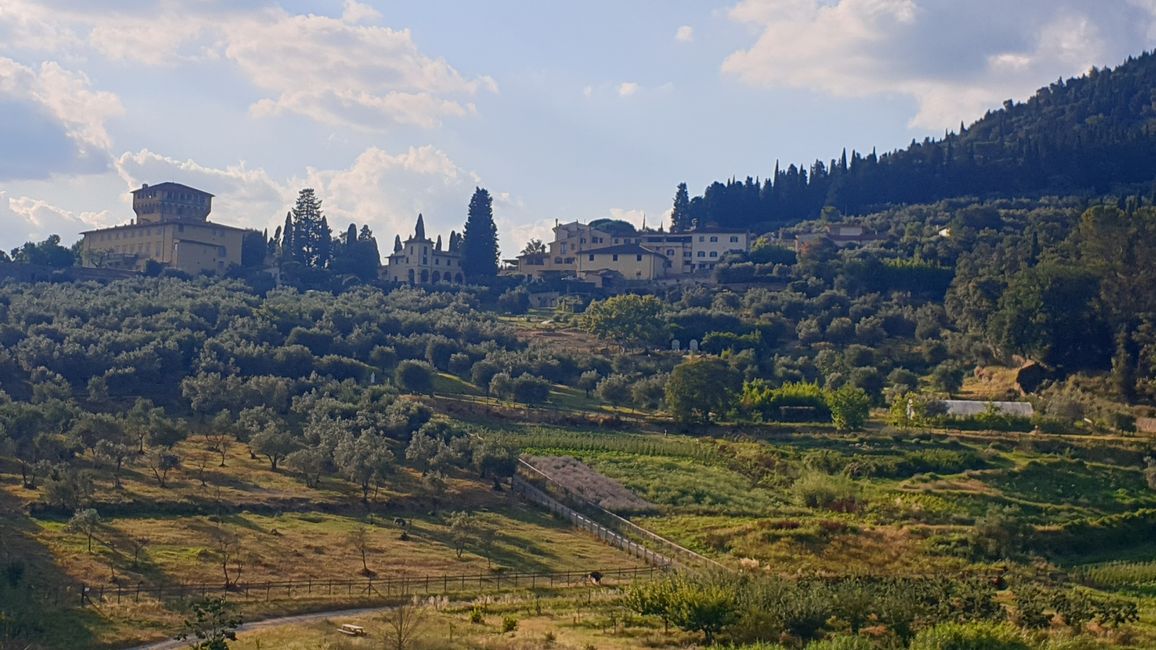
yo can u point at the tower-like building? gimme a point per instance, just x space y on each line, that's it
421 260
172 228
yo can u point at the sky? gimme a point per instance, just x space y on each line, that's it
562 110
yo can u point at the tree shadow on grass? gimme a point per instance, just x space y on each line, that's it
40 603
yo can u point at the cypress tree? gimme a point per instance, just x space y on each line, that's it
680 215
479 247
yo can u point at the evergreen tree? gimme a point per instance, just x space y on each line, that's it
680 216
288 251
479 247
397 243
311 238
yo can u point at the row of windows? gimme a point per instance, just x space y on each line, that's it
637 258
138 233
199 199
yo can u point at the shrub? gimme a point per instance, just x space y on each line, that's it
969 636
828 491
509 624
414 377
529 389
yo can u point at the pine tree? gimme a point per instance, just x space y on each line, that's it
479 247
680 215
312 239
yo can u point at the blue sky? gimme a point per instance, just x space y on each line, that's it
562 110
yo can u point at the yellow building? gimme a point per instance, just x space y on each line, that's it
661 254
172 229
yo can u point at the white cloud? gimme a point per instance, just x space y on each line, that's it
357 12
339 71
684 34
27 219
588 92
627 88
952 58
62 102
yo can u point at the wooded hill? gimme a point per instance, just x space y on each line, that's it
1094 134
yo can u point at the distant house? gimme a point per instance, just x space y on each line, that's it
841 236
597 252
960 408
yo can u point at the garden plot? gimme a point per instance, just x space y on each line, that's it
580 479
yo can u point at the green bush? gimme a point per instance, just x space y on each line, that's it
827 491
969 636
509 624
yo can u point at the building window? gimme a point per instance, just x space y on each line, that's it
591 258
615 258
670 252
702 253
557 260
638 258
713 239
701 238
714 253
734 239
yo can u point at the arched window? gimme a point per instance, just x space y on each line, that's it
437 276
411 276
425 276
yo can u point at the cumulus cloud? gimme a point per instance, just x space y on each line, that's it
60 115
684 34
955 59
342 70
24 219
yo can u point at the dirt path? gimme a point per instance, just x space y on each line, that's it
271 622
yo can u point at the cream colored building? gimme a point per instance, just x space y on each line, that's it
581 250
172 229
420 260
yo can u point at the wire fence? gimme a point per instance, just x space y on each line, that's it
610 528
358 589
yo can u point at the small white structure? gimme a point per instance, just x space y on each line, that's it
694 345
675 345
962 408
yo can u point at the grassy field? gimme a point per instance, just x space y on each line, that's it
277 529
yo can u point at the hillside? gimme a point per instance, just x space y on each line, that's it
1088 135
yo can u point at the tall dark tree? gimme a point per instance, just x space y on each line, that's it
397 243
680 217
479 248
310 239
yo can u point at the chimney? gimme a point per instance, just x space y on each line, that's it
144 186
